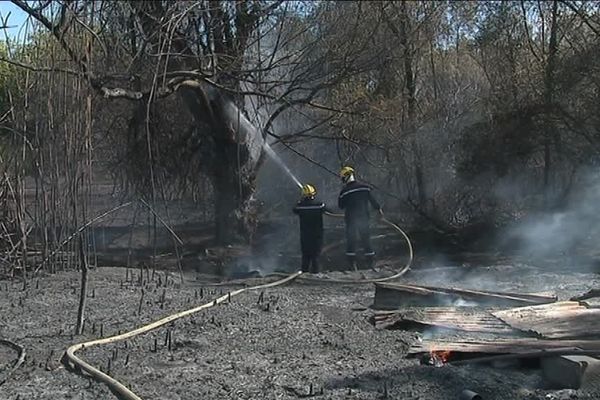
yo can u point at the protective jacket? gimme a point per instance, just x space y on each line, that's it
354 199
311 213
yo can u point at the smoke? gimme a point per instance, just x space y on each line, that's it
569 231
463 303
256 266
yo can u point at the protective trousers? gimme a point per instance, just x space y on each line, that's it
311 250
310 263
358 228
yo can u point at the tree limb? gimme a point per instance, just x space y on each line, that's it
56 31
34 68
583 17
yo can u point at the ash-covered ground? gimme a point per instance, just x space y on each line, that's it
304 339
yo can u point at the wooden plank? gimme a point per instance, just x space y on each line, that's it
562 320
533 298
503 346
393 295
462 318
590 294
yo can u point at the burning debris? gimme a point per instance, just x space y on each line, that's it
539 332
392 295
500 346
436 358
465 319
562 320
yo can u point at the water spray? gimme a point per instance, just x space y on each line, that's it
124 392
269 150
232 111
240 124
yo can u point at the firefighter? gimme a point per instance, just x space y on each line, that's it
354 199
310 212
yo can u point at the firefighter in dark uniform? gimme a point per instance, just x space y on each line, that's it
311 213
354 199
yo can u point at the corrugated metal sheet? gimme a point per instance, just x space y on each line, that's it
392 296
567 319
501 346
461 318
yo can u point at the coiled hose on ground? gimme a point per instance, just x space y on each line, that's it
117 387
123 392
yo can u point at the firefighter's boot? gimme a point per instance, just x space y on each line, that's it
370 261
352 263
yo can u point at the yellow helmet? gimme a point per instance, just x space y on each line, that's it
346 172
308 190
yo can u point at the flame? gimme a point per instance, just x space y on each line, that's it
443 355
439 357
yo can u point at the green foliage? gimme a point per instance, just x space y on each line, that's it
6 80
424 97
8 90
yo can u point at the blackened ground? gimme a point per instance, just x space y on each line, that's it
301 335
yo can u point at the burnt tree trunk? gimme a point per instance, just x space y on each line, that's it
549 92
173 37
231 153
239 144
83 291
233 205
231 146
410 91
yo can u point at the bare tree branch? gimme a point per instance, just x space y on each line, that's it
34 68
56 31
584 18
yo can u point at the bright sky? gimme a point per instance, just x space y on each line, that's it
16 19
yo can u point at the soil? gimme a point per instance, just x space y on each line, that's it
304 339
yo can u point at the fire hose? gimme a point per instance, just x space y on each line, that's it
117 387
125 393
20 360
384 279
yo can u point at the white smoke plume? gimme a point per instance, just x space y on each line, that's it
570 231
